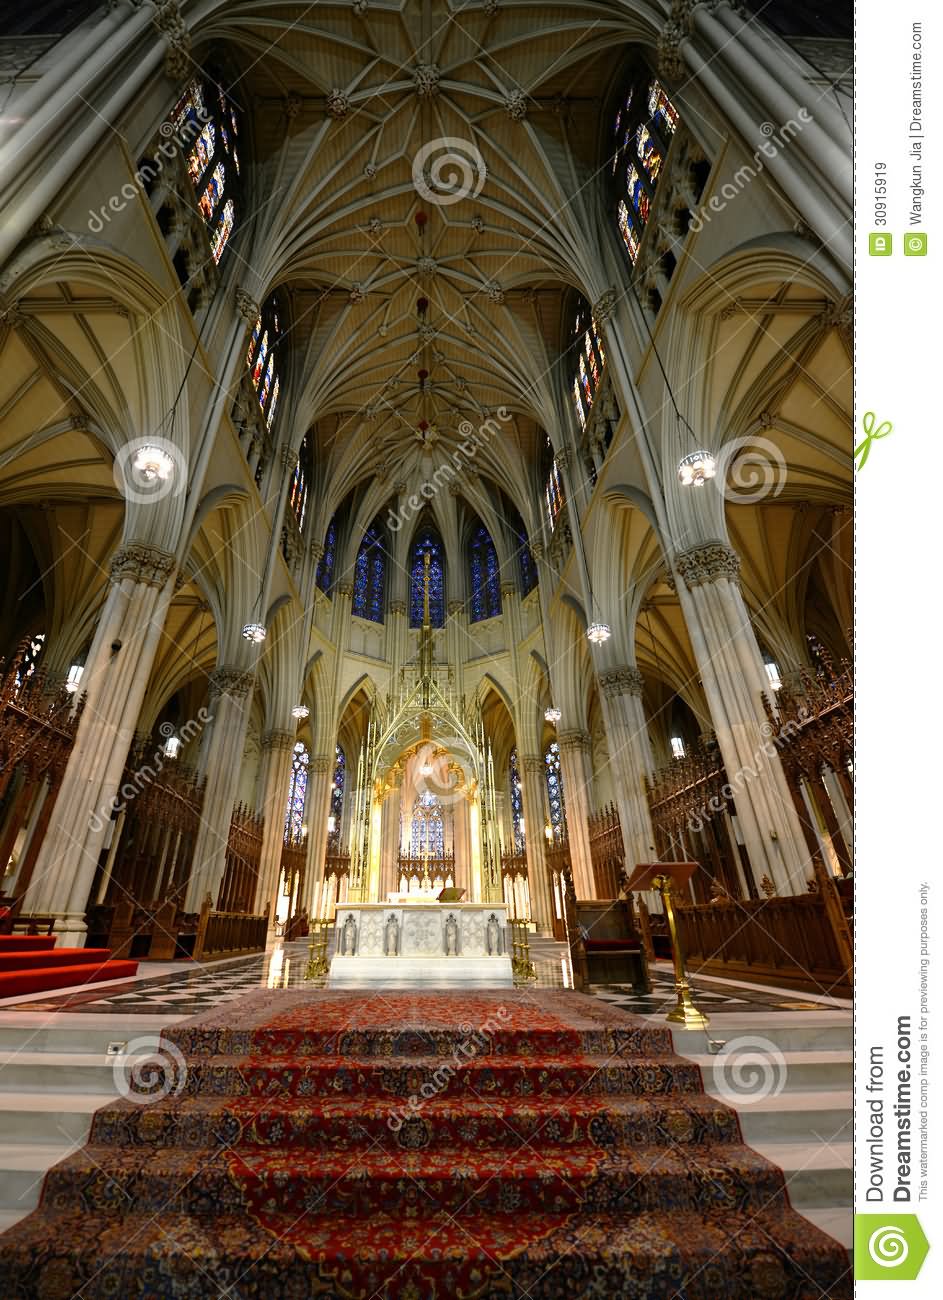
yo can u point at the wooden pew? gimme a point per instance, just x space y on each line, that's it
605 947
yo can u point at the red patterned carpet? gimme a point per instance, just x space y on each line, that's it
422 1146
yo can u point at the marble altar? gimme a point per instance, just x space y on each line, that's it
421 944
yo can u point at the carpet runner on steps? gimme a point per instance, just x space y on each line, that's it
31 964
419 1146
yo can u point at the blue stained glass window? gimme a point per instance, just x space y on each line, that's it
524 556
517 802
485 579
326 562
427 540
297 788
337 790
370 576
427 837
555 790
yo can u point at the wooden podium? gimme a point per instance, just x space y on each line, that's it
667 877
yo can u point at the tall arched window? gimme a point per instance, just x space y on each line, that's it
427 540
298 492
590 359
326 562
262 358
525 559
554 498
644 125
427 838
206 116
370 575
555 790
297 788
517 801
337 789
484 578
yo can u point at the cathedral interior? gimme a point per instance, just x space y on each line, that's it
425 465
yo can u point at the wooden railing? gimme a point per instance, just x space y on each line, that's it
514 865
607 851
426 869
243 858
229 934
37 730
155 831
790 940
336 864
559 873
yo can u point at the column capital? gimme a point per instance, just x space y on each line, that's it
574 741
708 563
621 681
509 589
397 607
605 306
321 764
147 564
537 549
344 588
455 607
532 764
228 680
278 741
316 551
246 306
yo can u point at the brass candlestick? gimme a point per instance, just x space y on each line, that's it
685 1012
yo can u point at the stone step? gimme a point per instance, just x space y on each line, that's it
47 1117
84 1072
780 1030
760 1074
837 1221
818 1174
23 1167
793 1116
86 1039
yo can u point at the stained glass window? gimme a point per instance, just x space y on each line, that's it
211 147
628 230
427 540
661 110
554 497
589 362
648 134
586 386
29 658
337 789
427 838
262 359
326 562
370 576
202 152
578 403
517 801
484 577
555 790
297 787
298 491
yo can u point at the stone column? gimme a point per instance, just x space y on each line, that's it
735 681
116 675
533 786
317 810
397 640
577 796
631 758
389 850
230 702
461 846
456 643
277 747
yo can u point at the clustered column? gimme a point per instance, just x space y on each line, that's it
533 778
277 747
576 769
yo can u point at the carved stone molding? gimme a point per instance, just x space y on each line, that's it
247 307
605 306
278 741
234 682
337 104
426 80
708 563
316 551
145 564
322 764
397 607
169 21
344 588
574 742
515 105
455 607
532 764
621 681
508 589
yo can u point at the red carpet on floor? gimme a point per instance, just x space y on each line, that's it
419 1146
31 964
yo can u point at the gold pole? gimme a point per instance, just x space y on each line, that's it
685 1012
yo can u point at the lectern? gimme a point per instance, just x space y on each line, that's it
667 877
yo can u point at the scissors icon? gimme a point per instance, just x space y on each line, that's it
873 431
